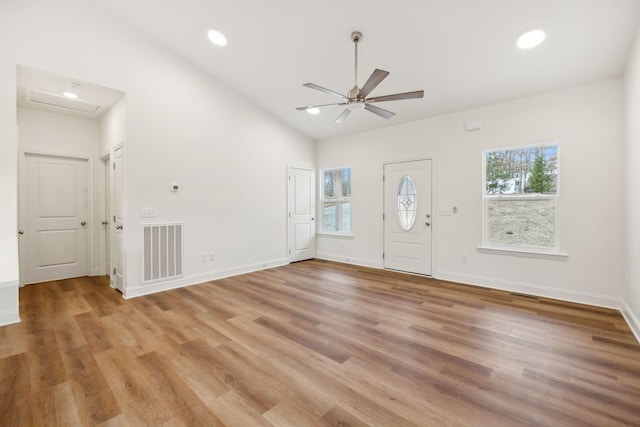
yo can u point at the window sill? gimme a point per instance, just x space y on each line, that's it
557 256
338 235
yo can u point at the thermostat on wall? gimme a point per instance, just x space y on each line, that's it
175 187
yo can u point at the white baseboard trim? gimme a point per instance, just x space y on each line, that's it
8 292
152 288
9 317
8 285
536 290
632 320
348 260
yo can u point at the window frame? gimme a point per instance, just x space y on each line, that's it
339 201
521 250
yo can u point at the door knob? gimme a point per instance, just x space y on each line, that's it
119 227
21 232
104 223
428 216
427 224
83 223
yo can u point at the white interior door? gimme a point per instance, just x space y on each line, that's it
56 204
117 209
302 212
407 216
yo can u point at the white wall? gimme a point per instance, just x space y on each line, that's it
632 156
52 133
113 131
113 127
587 124
8 197
182 125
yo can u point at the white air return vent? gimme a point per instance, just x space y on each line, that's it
161 251
33 96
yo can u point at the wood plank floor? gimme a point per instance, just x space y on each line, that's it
314 344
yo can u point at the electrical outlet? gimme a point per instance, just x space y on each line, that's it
203 257
212 256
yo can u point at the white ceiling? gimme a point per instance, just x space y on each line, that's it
461 52
93 99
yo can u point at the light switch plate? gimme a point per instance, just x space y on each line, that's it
445 211
148 213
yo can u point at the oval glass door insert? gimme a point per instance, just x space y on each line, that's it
407 203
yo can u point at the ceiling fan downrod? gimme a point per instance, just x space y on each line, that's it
356 36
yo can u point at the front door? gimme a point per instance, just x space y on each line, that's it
302 212
55 202
407 216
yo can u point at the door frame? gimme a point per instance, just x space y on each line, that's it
22 205
290 196
112 230
434 197
103 208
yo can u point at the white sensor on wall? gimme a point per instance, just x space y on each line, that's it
474 125
175 187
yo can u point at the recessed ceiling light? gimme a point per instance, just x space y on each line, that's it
313 111
531 39
70 95
217 38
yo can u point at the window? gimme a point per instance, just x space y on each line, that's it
521 198
407 203
336 200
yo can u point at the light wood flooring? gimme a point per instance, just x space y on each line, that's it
314 344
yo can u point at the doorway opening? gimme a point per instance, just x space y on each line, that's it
66 149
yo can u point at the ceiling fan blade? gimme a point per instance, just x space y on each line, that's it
325 90
320 106
343 116
386 114
397 96
374 80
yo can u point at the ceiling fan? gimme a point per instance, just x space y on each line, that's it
357 98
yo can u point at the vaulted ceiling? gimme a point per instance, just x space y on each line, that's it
461 52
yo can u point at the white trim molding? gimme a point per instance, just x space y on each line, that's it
9 317
349 260
549 292
632 320
9 298
558 256
153 288
531 289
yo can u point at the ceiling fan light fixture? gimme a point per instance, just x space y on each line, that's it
313 111
356 106
217 38
531 39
